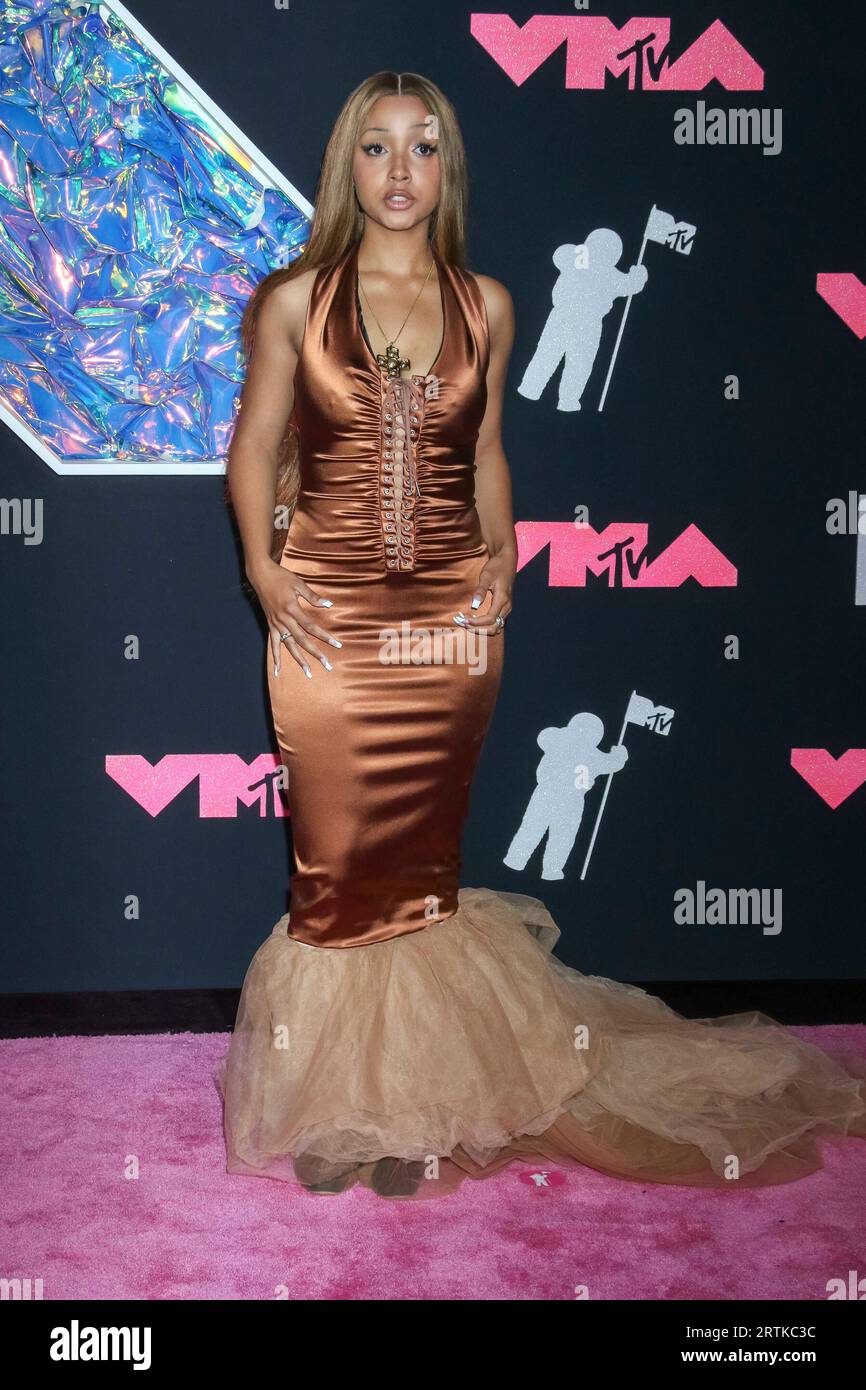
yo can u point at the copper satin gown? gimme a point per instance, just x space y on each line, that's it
391 1012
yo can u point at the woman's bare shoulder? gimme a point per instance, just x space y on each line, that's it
289 305
500 306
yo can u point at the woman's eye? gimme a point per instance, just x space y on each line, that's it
423 146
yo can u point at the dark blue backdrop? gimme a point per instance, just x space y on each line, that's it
717 799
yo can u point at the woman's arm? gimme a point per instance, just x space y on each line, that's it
492 478
266 403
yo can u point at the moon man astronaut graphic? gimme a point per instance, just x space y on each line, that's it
570 763
588 284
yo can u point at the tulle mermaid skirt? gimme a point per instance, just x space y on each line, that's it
468 1045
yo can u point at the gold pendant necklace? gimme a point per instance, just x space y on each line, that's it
390 360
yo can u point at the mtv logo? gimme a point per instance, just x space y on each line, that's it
224 780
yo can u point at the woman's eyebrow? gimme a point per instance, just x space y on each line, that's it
386 130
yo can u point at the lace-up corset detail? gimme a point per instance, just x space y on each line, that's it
402 414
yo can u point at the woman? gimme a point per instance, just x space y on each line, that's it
395 1029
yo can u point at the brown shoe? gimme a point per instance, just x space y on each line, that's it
396 1177
317 1175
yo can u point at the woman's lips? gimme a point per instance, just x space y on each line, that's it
399 200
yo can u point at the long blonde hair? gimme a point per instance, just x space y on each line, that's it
338 221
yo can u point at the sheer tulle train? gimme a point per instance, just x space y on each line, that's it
468 1045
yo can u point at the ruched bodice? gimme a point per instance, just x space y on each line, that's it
350 418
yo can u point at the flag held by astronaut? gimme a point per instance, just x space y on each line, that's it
666 230
657 718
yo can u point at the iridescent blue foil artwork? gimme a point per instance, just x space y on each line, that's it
135 221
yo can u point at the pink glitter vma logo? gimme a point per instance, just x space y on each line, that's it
224 780
595 46
620 552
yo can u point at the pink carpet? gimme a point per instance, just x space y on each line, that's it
80 1114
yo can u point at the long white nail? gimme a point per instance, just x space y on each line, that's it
326 603
326 663
334 643
307 671
476 603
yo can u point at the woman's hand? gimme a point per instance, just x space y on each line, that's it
279 592
497 579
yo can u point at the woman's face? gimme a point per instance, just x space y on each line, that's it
396 163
